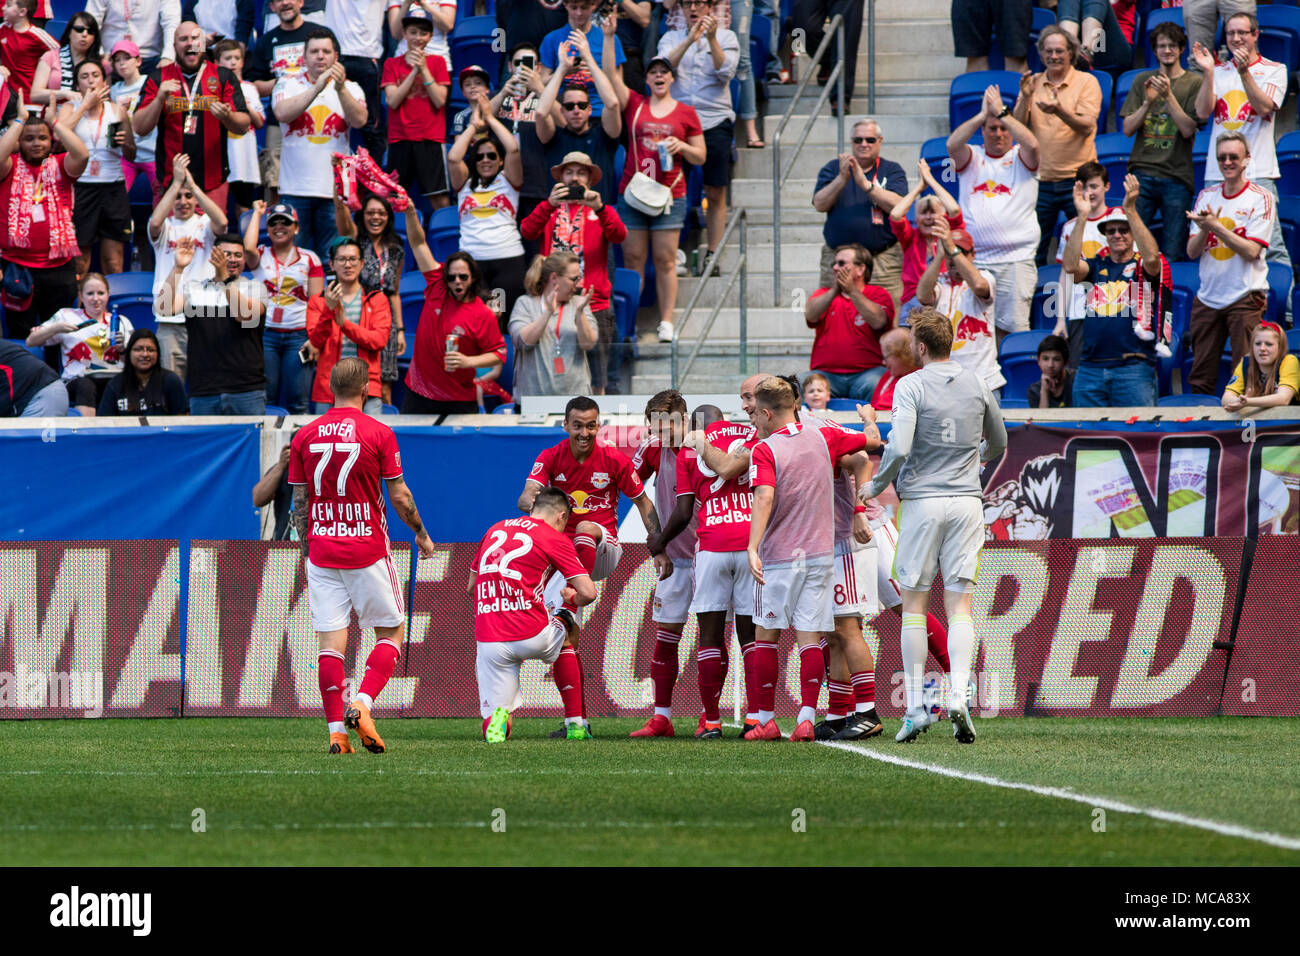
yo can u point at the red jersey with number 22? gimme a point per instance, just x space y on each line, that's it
593 486
723 506
513 562
341 458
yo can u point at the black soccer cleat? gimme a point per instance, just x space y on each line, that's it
829 728
962 730
861 726
570 623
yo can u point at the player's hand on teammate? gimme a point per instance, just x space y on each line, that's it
869 427
663 566
755 565
694 440
425 544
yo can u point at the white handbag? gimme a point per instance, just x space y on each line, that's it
647 196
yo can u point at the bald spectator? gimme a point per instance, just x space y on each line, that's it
849 317
976 22
1243 94
193 103
149 24
857 191
997 192
1060 106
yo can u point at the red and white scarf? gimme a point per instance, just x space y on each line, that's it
22 200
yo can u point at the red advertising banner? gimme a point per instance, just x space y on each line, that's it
1102 628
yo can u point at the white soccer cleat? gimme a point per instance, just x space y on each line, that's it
915 723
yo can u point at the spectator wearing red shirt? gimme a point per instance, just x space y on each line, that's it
194 103
896 347
457 333
849 319
36 202
22 45
586 227
917 242
415 88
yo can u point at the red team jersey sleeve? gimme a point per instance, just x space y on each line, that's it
762 466
563 556
542 472
629 482
843 441
646 460
686 471
390 458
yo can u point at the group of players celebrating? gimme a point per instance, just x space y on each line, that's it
774 522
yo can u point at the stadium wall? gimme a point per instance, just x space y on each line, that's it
1182 601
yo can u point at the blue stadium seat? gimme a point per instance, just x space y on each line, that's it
843 404
1172 15
760 44
1200 153
473 43
967 90
1279 287
1042 18
1187 400
1122 86
1107 84
277 411
1009 401
1021 343
1021 371
1042 314
444 232
626 291
1225 368
508 409
1185 275
55 28
130 283
390 410
135 308
1182 309
1113 152
1288 162
935 152
1165 366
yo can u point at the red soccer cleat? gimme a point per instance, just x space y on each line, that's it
699 728
804 731
656 726
767 731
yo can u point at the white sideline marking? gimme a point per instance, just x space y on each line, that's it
1064 793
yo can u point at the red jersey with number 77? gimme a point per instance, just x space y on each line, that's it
513 562
341 458
593 486
723 506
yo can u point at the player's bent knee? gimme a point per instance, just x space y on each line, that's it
591 528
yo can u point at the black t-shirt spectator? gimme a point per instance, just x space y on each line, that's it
278 52
225 356
519 116
22 375
527 21
597 144
1064 400
163 395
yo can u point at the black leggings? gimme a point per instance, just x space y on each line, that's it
503 283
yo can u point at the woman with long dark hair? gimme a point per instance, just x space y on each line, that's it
55 78
144 387
488 199
383 262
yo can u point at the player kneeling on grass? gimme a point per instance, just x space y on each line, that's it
945 422
511 623
335 466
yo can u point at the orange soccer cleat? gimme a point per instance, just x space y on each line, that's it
804 731
767 731
357 717
340 744
656 726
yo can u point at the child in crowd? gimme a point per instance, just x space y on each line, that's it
415 88
241 148
22 44
816 392
1054 389
126 94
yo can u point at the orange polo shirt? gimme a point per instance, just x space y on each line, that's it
1062 150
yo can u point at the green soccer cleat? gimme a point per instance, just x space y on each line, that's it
578 732
498 728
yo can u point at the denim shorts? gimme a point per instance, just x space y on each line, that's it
636 220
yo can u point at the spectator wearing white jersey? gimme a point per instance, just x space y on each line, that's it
998 192
1069 299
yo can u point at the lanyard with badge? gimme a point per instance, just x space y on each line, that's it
278 315
558 360
191 96
93 168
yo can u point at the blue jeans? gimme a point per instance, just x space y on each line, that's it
229 403
741 12
1053 199
374 406
1120 386
286 375
1172 198
768 8
856 385
1115 52
316 228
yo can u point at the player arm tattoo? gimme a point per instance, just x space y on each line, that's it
299 515
677 522
404 504
649 517
726 465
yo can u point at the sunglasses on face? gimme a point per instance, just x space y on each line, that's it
569 107
482 156
1117 231
1231 159
859 140
82 28
458 278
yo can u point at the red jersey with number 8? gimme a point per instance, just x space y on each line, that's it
341 458
512 565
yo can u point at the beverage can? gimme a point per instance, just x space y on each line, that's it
453 343
665 159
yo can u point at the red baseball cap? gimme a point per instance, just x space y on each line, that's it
963 241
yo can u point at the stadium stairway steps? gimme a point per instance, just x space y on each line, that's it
914 68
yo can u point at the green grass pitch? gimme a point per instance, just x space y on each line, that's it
125 792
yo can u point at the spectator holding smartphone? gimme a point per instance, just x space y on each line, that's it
346 321
553 330
608 58
126 94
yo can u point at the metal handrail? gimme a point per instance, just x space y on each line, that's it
739 273
778 178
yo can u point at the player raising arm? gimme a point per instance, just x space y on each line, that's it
593 475
510 622
945 422
335 466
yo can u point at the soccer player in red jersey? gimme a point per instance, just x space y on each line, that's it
511 624
335 466
792 542
665 414
593 475
722 581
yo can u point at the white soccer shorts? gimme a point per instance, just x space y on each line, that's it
608 554
853 591
672 600
374 592
723 583
796 595
885 536
939 534
497 664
